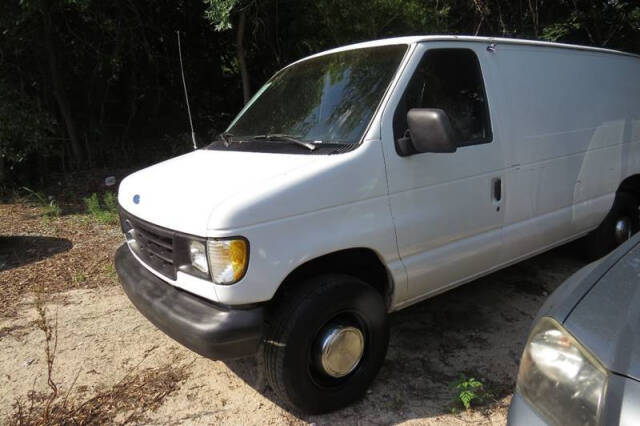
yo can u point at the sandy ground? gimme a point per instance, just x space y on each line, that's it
477 330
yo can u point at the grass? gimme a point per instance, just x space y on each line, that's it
105 210
48 205
110 271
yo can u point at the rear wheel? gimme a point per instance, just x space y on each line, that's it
325 343
617 227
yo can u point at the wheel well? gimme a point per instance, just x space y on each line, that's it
631 185
362 263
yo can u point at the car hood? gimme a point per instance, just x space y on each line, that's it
607 319
181 193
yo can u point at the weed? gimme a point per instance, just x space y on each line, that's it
79 277
110 270
52 209
470 391
105 211
134 395
48 205
93 204
110 201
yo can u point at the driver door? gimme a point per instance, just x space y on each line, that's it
447 207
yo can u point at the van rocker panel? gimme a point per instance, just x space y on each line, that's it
211 330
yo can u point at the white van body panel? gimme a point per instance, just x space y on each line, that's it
561 152
566 132
572 142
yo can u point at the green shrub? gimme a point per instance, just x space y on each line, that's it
110 202
470 391
105 211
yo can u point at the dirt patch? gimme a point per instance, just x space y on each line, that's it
17 331
55 253
477 330
128 401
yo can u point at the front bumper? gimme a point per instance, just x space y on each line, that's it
212 330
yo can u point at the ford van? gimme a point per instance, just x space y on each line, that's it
361 180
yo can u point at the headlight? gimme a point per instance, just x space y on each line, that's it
198 256
228 259
190 256
560 377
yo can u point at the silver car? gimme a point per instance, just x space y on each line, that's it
581 363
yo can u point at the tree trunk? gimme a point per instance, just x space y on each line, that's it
59 92
242 62
535 17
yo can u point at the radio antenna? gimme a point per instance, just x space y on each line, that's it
186 95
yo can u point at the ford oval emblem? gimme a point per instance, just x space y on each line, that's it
136 199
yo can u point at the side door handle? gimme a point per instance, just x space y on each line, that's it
496 189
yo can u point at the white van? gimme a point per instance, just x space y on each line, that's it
364 179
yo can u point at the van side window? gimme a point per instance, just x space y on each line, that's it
451 80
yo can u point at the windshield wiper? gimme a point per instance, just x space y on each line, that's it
283 137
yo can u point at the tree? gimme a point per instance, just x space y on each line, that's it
219 14
45 9
91 83
596 23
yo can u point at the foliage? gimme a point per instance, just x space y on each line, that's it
105 211
219 13
94 84
24 126
470 391
48 205
596 25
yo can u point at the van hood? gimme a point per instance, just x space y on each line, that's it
607 319
181 193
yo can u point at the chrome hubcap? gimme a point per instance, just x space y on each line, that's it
341 348
623 230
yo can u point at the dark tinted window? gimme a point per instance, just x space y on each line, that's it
329 98
451 80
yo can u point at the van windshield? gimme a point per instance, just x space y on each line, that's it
328 99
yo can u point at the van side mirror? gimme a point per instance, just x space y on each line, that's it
430 131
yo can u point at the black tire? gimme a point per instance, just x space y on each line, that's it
293 328
603 239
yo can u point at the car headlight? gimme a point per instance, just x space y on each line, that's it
198 256
190 256
228 259
560 377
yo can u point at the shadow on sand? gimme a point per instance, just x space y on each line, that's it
21 250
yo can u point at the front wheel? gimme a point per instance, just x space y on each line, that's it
325 343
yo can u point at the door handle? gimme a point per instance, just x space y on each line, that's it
496 185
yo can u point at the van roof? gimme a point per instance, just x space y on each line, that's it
497 40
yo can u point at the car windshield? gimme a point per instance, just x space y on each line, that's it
330 98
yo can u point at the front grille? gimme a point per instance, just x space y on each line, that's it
152 244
